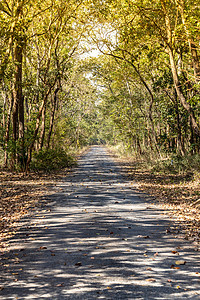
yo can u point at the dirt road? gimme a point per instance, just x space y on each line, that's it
98 238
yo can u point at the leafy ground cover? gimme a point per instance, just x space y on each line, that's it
21 195
177 192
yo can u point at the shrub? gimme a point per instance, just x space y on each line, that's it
178 164
52 159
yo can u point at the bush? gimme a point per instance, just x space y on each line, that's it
178 164
52 159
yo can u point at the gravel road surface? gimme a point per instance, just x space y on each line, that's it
99 238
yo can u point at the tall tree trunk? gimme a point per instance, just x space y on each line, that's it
181 97
195 60
191 43
150 116
37 126
180 145
15 129
138 145
52 117
192 139
18 105
150 143
42 134
5 100
7 132
177 83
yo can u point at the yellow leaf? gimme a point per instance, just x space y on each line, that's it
180 262
151 280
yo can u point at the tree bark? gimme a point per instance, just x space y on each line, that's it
52 117
7 133
5 100
180 146
177 83
42 134
18 105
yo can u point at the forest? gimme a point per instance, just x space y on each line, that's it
76 73
117 83
120 80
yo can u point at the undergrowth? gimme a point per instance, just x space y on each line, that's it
168 164
177 164
52 159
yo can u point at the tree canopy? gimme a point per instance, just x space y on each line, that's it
81 72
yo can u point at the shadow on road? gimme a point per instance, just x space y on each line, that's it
98 239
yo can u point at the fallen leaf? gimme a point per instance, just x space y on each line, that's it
60 284
173 267
144 236
151 280
175 252
180 262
